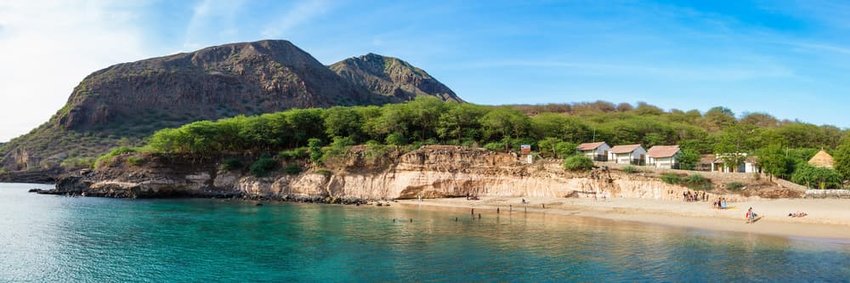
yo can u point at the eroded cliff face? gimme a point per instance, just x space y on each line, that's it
430 172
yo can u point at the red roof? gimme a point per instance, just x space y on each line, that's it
624 148
662 151
589 146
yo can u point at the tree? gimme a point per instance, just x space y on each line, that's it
774 162
314 145
822 178
719 118
547 146
501 123
343 122
841 157
688 159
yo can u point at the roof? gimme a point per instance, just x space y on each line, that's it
707 159
822 159
624 148
589 146
662 151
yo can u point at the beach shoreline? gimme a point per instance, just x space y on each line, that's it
827 219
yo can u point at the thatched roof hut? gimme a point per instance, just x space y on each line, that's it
822 159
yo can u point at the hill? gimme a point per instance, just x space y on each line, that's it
124 103
392 77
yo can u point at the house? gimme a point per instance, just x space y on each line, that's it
663 156
822 159
627 154
706 162
717 163
597 151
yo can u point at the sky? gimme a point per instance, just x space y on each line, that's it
787 58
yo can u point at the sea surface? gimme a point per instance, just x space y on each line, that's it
66 239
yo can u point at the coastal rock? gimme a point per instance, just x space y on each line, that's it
430 172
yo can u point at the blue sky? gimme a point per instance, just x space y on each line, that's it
787 58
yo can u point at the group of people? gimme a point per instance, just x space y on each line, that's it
720 203
689 196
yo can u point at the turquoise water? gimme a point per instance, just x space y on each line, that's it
52 238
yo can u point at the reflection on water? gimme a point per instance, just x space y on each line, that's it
47 238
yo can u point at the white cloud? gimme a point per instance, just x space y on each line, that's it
48 47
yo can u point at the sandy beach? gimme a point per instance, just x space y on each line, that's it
827 218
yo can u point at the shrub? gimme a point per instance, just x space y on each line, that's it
578 163
77 163
294 154
135 160
631 169
734 186
816 177
106 159
671 178
230 164
395 139
292 169
495 146
315 147
698 182
263 166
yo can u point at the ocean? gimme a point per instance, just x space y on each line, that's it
66 239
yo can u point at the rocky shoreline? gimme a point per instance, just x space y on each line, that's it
430 172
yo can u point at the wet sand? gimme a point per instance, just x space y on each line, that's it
827 218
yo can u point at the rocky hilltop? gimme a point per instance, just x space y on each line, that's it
124 103
430 172
392 77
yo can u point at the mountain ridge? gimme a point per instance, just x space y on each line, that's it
123 103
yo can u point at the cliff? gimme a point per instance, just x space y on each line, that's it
122 104
430 172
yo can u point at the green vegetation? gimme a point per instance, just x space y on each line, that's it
230 164
816 177
629 169
578 163
671 178
107 159
136 160
694 181
292 169
553 130
263 166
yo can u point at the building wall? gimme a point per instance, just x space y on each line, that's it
665 163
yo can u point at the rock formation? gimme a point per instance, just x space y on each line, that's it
124 103
430 172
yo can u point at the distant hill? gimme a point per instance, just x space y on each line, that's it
391 77
126 102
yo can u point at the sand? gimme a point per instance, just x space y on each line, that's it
827 218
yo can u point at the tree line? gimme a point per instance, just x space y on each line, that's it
782 146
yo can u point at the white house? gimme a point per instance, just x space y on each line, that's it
597 151
663 156
627 154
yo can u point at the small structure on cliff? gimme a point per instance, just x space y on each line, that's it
627 154
597 151
663 156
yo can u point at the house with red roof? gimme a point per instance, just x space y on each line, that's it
627 154
663 156
597 151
